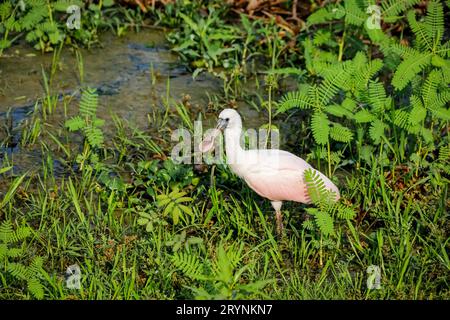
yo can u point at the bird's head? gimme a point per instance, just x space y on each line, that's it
229 119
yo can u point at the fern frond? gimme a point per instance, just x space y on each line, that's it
295 99
76 123
341 133
3 251
365 73
317 191
189 264
323 37
320 126
323 220
409 68
35 3
335 157
401 119
33 17
320 16
223 270
308 224
363 116
444 154
15 252
338 111
444 49
349 104
19 271
235 254
353 13
22 233
434 22
325 223
422 36
418 112
35 288
427 135
441 113
336 76
391 9
36 265
439 100
359 60
400 50
47 27
7 234
315 185
97 122
94 136
325 14
34 35
88 103
429 88
377 96
376 130
326 91
344 212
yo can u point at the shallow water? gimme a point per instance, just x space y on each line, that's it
121 71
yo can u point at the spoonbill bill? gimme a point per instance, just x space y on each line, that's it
273 174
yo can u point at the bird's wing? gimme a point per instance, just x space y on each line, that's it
275 160
278 185
281 169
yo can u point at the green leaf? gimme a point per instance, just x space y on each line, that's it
320 127
189 264
142 221
324 222
363 116
341 133
176 215
295 99
190 23
408 69
94 136
76 123
376 130
186 209
5 169
417 115
89 103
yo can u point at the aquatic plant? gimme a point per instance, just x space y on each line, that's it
87 121
31 274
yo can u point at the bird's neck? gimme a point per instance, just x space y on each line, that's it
233 147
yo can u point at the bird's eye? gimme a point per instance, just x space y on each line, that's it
227 119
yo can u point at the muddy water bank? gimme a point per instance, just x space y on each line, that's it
132 75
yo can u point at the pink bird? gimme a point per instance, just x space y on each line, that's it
273 174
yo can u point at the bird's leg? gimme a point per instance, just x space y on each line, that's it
277 206
279 222
294 10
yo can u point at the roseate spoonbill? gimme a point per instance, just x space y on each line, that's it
273 174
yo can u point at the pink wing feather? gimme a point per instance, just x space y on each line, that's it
279 175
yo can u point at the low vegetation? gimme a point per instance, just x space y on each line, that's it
369 108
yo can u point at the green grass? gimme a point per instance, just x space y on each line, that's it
140 227
95 223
